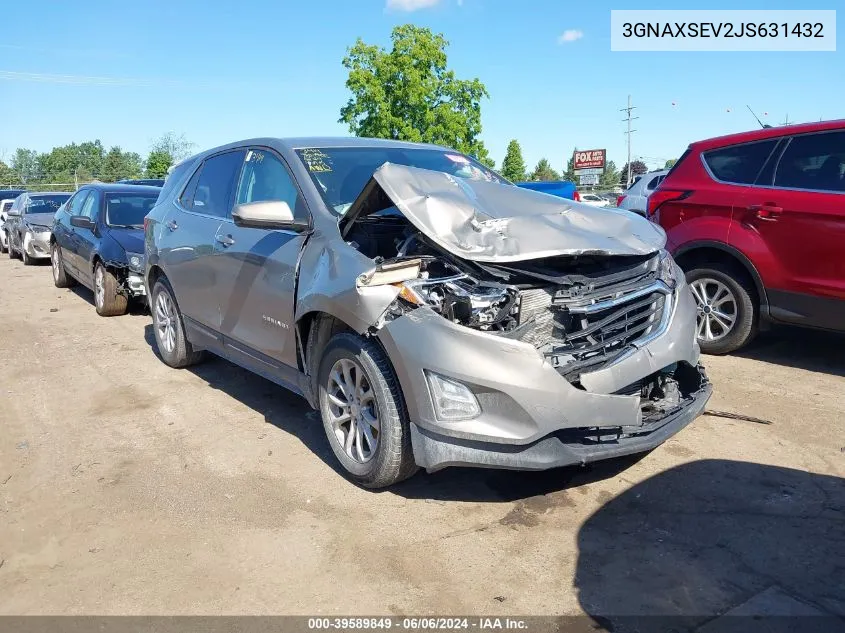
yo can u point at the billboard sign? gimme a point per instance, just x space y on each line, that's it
588 179
589 159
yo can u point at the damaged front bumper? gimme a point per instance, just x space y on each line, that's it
532 418
37 244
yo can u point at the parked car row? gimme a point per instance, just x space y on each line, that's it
435 314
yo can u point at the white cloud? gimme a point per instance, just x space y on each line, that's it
570 35
410 5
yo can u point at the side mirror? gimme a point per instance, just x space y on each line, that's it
272 214
82 222
12 213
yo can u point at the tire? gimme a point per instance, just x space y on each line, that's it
108 299
60 277
27 260
3 247
392 459
711 279
174 348
10 250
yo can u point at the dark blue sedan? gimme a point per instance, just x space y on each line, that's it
98 241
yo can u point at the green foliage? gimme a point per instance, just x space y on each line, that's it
177 147
513 166
670 163
637 167
158 162
569 174
610 176
118 164
408 93
25 164
544 171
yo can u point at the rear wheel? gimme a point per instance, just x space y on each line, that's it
169 328
108 299
363 412
726 317
60 277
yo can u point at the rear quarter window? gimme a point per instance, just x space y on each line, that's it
739 164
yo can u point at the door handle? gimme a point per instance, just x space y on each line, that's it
172 225
224 240
768 212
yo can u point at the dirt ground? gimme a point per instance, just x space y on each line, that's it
131 488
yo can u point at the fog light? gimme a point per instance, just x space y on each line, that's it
452 400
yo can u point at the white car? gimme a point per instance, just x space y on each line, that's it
593 200
5 203
636 197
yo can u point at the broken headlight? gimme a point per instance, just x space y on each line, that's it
462 300
136 262
667 270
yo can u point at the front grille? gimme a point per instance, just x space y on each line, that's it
582 328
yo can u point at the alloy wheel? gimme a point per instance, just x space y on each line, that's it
716 309
353 410
165 318
99 287
54 260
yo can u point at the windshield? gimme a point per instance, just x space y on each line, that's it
128 210
340 173
45 204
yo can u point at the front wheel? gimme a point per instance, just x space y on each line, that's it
363 412
108 299
10 250
726 317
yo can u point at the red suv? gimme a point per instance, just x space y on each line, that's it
757 221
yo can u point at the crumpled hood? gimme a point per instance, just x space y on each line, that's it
490 222
132 240
39 219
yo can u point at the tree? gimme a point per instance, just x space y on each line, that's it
119 164
670 163
158 162
637 167
408 93
570 174
513 166
25 164
177 147
8 176
610 176
544 171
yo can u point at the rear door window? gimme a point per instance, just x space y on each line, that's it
213 195
739 164
813 161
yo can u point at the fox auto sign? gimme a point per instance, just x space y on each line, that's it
589 159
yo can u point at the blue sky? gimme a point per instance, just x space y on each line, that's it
219 72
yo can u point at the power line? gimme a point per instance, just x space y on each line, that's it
628 118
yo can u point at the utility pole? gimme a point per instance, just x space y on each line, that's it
786 121
628 118
75 180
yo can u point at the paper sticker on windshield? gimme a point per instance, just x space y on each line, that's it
457 158
316 160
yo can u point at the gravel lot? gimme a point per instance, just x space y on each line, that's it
131 488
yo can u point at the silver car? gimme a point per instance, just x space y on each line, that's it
28 224
435 314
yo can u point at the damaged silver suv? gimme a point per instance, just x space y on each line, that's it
434 313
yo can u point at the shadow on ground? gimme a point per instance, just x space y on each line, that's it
811 350
702 539
292 414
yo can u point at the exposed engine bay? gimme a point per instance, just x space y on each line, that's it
580 311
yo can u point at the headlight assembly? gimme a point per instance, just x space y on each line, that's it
667 270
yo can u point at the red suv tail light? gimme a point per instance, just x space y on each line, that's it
619 200
660 196
576 196
146 223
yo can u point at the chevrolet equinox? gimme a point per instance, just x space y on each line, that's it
434 313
